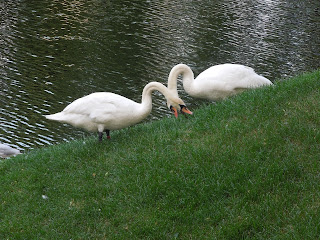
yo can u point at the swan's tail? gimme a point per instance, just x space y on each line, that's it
266 81
258 81
56 117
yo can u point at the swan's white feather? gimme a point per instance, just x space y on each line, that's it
217 82
97 110
231 76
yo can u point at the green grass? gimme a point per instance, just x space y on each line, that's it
244 168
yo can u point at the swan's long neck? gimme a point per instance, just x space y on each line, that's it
188 77
146 101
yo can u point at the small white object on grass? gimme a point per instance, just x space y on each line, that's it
45 197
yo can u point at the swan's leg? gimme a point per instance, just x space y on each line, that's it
108 134
100 136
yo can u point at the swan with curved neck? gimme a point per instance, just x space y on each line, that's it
217 82
105 111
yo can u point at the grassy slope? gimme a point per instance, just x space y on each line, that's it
245 167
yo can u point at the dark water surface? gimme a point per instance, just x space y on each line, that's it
52 52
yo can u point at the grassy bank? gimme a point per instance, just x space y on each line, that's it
247 167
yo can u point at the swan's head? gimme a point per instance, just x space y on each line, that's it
177 105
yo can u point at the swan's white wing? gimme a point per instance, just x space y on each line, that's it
101 110
87 104
103 107
230 76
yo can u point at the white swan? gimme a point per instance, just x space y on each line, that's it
217 82
105 111
7 151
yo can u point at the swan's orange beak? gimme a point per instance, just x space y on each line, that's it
174 110
186 110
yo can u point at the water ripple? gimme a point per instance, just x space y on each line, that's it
54 52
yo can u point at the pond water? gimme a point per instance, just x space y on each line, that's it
53 52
